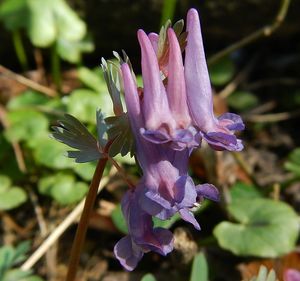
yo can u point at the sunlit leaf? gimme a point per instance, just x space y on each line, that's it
50 153
27 99
50 20
41 25
10 196
92 79
71 51
199 268
68 23
63 188
148 277
26 125
264 228
83 103
85 170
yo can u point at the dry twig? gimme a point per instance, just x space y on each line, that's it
60 229
263 32
27 82
16 146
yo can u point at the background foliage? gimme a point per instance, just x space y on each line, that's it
59 44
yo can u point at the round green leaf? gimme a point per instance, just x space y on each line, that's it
241 100
12 198
92 79
222 71
71 50
69 25
68 192
27 98
85 170
148 277
243 191
265 228
51 153
26 125
41 26
63 188
83 104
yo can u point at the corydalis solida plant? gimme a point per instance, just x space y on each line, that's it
167 119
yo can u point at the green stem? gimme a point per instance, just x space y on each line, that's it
84 220
55 68
19 48
168 11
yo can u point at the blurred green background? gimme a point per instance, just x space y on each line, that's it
50 55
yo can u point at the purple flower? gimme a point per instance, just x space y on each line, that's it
218 132
165 109
142 237
292 275
168 188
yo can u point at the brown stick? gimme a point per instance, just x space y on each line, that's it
83 223
16 146
263 32
27 82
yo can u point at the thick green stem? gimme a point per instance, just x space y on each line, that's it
84 220
55 68
19 48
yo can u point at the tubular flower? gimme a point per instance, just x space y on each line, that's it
168 119
218 132
165 108
169 189
142 237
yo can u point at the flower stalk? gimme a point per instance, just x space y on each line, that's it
84 220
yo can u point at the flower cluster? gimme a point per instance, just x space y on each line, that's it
169 117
